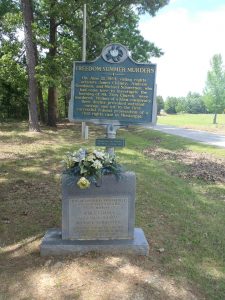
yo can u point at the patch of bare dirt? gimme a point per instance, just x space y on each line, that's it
26 275
199 165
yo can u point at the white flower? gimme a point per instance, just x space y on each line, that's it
97 164
78 156
99 154
81 152
90 158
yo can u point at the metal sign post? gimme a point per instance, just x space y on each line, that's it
111 134
84 129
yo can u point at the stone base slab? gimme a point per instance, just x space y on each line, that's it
53 244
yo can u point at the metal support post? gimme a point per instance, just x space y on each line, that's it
110 134
84 130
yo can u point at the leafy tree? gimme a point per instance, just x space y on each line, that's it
61 34
180 106
191 104
214 94
194 103
57 27
116 29
13 80
160 104
170 105
13 84
12 58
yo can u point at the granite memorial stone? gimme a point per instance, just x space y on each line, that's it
97 219
102 212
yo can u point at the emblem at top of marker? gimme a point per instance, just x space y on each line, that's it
114 53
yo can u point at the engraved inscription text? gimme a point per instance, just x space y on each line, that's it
99 218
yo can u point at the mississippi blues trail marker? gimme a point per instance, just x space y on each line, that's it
113 89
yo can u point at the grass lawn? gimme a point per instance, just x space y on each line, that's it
194 121
180 204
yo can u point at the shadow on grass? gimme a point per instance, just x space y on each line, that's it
93 276
107 276
14 126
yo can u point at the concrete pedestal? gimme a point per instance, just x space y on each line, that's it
53 244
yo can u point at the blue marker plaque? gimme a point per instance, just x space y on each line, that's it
113 89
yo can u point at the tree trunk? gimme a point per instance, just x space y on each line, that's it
52 91
215 119
40 95
41 104
27 11
52 106
66 103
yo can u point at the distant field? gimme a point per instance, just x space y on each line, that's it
195 121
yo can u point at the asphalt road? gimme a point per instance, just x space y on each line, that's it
196 135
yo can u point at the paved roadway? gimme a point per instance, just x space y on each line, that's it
196 135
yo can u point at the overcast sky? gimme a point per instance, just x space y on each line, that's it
190 32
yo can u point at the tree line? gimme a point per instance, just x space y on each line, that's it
39 40
211 101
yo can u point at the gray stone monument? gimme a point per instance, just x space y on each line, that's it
100 219
112 91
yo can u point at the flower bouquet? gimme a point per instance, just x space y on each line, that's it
87 166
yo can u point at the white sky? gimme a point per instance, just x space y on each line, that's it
189 39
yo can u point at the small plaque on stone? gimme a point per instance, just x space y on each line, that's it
98 218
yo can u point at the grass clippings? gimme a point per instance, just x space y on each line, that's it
202 166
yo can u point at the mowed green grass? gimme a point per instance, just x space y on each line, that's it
184 217
195 121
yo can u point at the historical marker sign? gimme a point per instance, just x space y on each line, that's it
113 89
